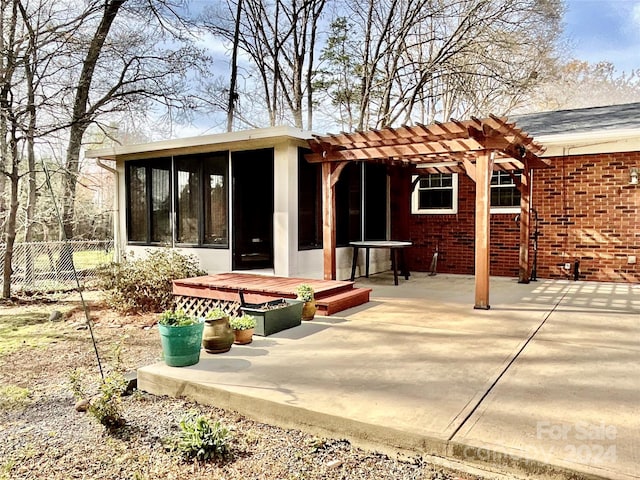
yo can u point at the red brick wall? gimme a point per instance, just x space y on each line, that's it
587 212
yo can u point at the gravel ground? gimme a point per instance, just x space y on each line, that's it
43 437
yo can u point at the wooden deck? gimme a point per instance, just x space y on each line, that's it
331 296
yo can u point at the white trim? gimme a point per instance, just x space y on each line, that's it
504 210
240 140
415 210
590 143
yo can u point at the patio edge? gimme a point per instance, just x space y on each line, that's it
385 439
292 417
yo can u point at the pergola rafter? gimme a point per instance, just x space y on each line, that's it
475 147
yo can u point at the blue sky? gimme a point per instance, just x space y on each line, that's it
605 30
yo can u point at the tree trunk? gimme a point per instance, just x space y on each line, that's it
10 228
79 119
233 94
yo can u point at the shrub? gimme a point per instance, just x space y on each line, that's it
106 407
201 439
144 285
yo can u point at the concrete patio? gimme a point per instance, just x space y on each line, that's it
546 382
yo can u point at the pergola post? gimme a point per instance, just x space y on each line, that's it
328 221
525 220
484 168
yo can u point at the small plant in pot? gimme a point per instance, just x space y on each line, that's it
218 336
243 328
306 294
181 337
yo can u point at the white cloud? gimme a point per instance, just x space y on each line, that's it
635 15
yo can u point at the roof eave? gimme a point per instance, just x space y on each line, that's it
200 144
590 142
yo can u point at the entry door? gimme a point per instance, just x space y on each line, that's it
252 209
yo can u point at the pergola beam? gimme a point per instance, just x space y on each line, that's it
476 146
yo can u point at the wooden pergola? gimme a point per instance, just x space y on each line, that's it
476 147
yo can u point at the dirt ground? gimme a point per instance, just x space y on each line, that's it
44 437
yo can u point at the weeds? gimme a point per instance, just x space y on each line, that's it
201 439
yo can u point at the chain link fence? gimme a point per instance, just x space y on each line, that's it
48 266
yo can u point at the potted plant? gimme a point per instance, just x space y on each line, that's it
218 336
305 293
275 315
181 338
243 328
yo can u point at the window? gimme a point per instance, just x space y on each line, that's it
216 196
505 196
375 202
199 202
188 193
435 193
348 205
361 203
149 201
309 203
138 215
160 204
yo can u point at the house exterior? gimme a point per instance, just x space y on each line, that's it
241 201
250 201
587 204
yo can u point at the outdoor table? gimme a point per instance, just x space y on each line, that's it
393 245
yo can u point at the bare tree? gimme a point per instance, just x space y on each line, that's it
420 60
126 69
66 66
280 39
579 84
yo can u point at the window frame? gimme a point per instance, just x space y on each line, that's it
309 188
171 164
498 209
415 196
163 163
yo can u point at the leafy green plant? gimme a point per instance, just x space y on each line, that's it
305 292
245 322
177 318
215 314
201 439
106 406
145 284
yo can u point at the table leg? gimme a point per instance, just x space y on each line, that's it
366 262
394 265
403 265
354 261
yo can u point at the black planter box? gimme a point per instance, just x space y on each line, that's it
276 320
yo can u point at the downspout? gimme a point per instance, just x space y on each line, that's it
116 210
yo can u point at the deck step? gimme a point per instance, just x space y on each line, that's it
331 296
342 301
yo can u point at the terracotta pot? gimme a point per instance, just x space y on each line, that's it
309 310
243 337
217 336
